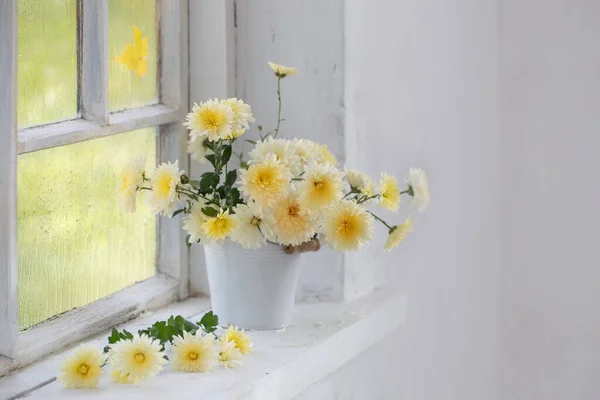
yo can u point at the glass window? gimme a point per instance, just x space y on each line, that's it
75 243
47 61
132 48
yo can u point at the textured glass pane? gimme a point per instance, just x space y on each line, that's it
75 243
47 61
132 47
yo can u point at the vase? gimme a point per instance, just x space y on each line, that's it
251 289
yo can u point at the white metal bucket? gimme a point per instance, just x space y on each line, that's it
251 289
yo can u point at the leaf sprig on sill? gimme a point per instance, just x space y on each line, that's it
165 331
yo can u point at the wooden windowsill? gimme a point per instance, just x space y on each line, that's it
324 337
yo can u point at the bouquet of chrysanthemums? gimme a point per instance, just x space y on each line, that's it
288 192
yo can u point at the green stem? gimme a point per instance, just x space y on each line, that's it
366 199
278 107
380 220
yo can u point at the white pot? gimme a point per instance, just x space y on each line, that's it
251 289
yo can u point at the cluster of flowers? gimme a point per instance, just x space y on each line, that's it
138 357
289 192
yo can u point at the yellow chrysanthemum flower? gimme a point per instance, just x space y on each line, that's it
398 233
83 368
281 71
282 149
137 359
321 187
265 182
254 226
418 188
328 156
194 221
240 338
242 113
198 149
212 119
116 376
164 188
390 192
134 55
219 227
293 224
236 133
194 353
347 226
128 182
230 356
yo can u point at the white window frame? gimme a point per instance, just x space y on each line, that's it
171 282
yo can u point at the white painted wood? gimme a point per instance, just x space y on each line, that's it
68 132
173 256
324 337
84 322
212 74
94 61
9 327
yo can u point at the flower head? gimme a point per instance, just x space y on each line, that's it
242 113
129 181
418 188
281 71
83 368
398 233
390 192
358 180
212 119
307 151
241 340
116 376
198 149
134 55
282 149
220 226
293 224
328 156
265 182
137 359
347 226
164 188
321 187
194 353
254 226
193 223
230 356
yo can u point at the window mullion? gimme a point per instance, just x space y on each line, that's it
93 39
9 327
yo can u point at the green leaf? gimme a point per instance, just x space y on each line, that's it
234 195
114 337
251 142
230 178
187 241
178 212
127 335
226 155
212 160
208 181
210 212
209 322
195 184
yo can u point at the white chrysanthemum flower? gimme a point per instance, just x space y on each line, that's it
322 185
198 149
194 353
281 71
163 197
230 356
293 224
418 188
137 359
241 339
193 222
347 226
83 368
129 181
397 234
265 182
212 119
307 151
282 149
242 113
358 179
254 226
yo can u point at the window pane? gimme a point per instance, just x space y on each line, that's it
75 243
132 44
47 61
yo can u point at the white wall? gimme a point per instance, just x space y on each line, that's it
550 115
